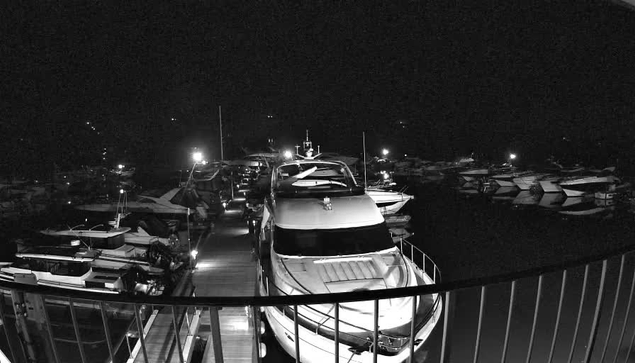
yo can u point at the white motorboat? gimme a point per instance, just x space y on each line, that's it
389 202
505 176
579 186
321 234
114 250
526 181
68 268
171 203
549 184
474 173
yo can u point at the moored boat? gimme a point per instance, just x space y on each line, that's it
321 233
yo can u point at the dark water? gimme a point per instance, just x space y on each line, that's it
475 235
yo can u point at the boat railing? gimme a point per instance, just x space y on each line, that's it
570 311
420 259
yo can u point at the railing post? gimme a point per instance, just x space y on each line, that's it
596 315
577 324
617 296
104 320
177 334
216 334
480 322
557 325
296 331
82 354
142 339
375 328
445 340
512 294
337 332
412 330
6 332
535 322
628 310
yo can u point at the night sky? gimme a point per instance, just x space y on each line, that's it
431 78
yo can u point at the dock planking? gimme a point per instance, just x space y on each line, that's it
225 267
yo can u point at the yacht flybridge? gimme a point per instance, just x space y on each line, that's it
321 233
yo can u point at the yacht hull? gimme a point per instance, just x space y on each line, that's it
316 348
549 186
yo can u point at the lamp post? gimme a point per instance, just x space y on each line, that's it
512 157
197 156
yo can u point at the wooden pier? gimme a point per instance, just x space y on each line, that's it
225 266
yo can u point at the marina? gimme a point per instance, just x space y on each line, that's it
395 182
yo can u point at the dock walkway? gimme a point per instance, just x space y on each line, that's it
225 267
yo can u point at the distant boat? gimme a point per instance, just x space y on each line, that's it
579 186
474 173
389 202
526 181
173 202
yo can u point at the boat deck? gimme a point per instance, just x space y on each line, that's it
225 267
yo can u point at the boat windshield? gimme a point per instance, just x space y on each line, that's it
313 176
332 242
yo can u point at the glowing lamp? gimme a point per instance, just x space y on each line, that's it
120 166
197 156
512 156
194 253
385 152
288 154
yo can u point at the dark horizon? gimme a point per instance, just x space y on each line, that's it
537 79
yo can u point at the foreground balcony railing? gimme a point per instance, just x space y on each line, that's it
577 311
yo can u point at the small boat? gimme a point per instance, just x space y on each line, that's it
579 186
474 173
389 202
527 181
549 184
68 268
172 203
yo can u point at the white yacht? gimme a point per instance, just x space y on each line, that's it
321 234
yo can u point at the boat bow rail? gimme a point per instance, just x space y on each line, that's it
532 319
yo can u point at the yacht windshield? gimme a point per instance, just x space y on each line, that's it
332 242
313 176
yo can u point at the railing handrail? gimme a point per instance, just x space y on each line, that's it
318 298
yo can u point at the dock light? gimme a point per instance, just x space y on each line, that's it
224 205
194 253
120 166
512 156
121 191
287 154
197 156
385 152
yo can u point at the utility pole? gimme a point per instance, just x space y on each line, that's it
220 125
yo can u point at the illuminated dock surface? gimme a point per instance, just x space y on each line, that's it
225 267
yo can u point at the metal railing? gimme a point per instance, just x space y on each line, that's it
576 311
